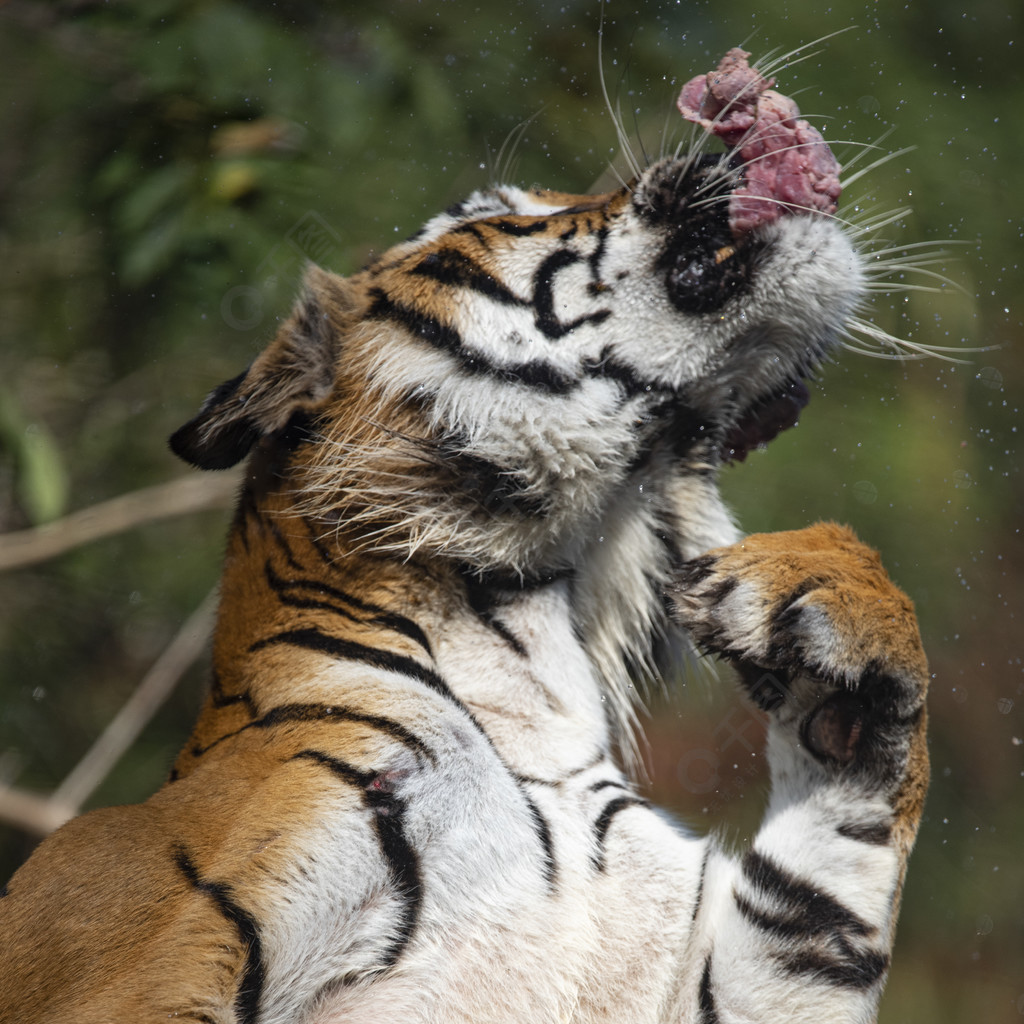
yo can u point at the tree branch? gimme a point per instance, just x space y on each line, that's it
40 814
178 497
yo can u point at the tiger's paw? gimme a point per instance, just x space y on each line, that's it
822 639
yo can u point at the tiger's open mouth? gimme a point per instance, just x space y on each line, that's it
764 421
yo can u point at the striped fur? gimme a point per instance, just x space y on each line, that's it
481 489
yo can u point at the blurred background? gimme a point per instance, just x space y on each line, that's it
167 168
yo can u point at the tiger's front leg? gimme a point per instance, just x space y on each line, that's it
800 929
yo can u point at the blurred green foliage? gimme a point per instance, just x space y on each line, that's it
166 170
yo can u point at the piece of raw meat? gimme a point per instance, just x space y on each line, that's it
787 165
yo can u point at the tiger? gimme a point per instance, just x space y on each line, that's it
480 506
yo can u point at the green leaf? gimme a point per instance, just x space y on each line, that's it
41 480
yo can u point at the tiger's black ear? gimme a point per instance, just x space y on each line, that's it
295 373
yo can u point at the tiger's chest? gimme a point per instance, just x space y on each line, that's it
523 878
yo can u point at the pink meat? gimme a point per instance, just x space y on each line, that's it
788 166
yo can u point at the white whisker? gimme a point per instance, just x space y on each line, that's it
788 60
503 162
903 348
892 357
925 245
616 117
876 164
884 288
942 279
863 147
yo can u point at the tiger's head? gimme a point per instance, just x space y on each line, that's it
540 382
493 387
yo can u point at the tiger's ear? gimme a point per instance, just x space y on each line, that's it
295 373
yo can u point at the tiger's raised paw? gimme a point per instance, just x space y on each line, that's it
822 638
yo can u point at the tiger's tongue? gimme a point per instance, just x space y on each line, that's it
787 165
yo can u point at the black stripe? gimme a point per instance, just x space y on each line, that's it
858 970
607 367
518 229
330 559
481 600
876 834
812 911
603 823
325 554
250 989
459 210
403 865
426 327
345 771
706 997
378 615
782 927
324 713
282 542
844 966
570 774
506 634
696 570
470 229
531 780
807 913
546 319
415 236
595 258
455 268
539 375
312 639
516 583
599 758
221 699
699 898
405 626
245 510
596 787
401 858
543 830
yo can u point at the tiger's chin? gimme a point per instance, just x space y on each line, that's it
765 420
